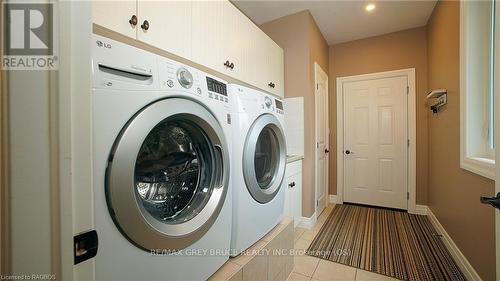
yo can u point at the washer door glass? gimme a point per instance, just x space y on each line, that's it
266 159
173 171
168 175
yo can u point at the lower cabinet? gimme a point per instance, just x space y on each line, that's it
293 191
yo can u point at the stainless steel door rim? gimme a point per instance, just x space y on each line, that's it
264 192
134 221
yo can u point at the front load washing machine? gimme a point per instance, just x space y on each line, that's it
259 159
161 146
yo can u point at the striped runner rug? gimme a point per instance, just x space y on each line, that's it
388 242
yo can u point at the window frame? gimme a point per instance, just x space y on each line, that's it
477 154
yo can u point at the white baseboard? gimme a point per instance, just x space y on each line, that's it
334 199
306 222
421 210
467 269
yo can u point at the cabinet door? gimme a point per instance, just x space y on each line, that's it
267 65
287 210
115 15
169 25
274 80
233 40
207 34
277 71
297 196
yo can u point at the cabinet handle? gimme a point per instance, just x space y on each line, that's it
271 85
229 64
292 184
145 25
133 20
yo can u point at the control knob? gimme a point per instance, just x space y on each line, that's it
185 78
268 102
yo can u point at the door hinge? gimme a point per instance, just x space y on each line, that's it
407 196
317 87
407 90
408 143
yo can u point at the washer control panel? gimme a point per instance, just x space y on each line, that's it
176 76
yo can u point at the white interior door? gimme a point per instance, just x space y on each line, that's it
322 132
375 142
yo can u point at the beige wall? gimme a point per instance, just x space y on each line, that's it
303 44
399 50
453 193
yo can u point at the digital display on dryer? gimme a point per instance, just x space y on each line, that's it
216 86
279 104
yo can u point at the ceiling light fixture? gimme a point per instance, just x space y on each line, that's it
370 7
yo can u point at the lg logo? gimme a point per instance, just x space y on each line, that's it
29 34
103 44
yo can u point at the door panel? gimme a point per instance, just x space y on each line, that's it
375 134
322 140
169 25
321 132
119 19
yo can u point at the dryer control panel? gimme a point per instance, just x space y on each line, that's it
272 104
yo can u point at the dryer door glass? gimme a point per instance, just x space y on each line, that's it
173 171
266 159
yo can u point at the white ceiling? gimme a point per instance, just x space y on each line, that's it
342 21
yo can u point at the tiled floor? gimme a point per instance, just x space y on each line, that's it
309 268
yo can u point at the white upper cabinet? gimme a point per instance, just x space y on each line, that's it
166 25
233 40
207 34
211 33
120 16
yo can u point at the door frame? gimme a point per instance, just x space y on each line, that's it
4 177
411 130
318 71
497 138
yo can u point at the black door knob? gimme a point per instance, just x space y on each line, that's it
145 25
326 150
347 152
133 20
493 201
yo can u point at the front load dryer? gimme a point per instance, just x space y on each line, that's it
259 159
161 146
